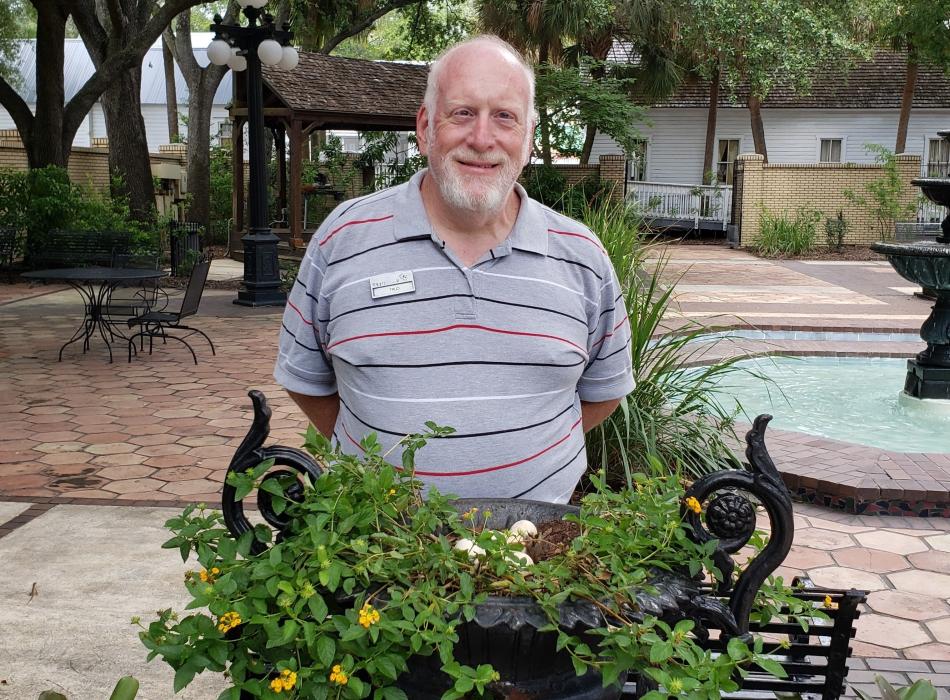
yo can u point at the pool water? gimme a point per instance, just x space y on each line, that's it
854 399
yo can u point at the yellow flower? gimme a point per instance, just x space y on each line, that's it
830 604
676 686
338 676
228 621
276 685
369 616
215 571
288 679
694 505
392 492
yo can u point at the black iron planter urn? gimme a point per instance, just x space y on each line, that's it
507 632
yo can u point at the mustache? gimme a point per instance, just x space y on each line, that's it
478 158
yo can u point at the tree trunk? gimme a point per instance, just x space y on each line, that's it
588 144
45 144
171 93
907 99
758 128
200 97
709 171
128 144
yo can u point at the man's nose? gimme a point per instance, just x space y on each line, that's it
481 137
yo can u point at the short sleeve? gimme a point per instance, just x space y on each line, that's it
608 374
302 364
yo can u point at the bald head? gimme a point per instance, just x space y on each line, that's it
471 50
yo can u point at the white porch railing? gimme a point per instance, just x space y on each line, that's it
665 200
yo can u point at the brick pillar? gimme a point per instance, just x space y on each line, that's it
909 167
753 181
613 169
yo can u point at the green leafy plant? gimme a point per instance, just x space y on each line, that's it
885 198
126 689
672 412
835 231
367 575
780 235
920 690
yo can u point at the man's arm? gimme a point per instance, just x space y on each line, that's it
321 410
593 413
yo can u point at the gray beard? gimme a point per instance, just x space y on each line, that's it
452 187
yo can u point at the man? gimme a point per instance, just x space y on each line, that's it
455 298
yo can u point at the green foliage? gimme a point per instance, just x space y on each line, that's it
885 198
574 100
382 148
45 198
544 183
220 192
835 231
772 41
919 28
920 690
780 235
367 576
671 412
126 689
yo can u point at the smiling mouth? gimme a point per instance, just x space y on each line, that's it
480 166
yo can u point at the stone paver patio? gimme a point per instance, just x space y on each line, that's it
159 431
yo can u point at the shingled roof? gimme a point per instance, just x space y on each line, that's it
349 86
874 84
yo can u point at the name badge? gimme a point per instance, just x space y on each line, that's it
391 283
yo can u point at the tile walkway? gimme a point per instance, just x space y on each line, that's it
160 430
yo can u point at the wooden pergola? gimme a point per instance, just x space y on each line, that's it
322 92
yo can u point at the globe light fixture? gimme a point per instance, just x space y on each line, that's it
270 52
289 58
237 62
219 52
247 48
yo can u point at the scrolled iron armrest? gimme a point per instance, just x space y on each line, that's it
728 515
249 455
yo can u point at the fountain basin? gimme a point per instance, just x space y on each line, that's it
925 263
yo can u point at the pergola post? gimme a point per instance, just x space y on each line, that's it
296 174
280 141
237 182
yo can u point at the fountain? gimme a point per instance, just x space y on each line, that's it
927 264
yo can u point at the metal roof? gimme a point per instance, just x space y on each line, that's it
78 67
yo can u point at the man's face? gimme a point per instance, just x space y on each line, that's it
479 136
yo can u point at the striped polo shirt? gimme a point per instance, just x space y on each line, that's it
503 351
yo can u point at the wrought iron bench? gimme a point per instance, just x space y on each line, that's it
68 248
815 661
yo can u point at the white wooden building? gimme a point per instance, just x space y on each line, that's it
78 68
834 123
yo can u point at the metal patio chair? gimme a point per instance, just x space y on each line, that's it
166 324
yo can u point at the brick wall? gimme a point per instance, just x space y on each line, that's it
89 166
784 188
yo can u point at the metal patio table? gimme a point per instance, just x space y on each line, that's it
95 285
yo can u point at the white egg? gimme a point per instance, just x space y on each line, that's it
466 545
524 528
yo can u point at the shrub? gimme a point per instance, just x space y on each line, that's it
780 235
835 231
545 183
367 576
883 197
672 412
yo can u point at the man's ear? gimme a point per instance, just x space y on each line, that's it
422 130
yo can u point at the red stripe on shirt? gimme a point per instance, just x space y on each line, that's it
484 470
610 334
291 305
352 223
579 235
455 327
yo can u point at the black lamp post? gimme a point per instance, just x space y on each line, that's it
247 48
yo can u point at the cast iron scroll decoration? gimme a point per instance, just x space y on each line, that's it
250 454
730 518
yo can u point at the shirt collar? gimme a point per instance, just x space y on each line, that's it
530 232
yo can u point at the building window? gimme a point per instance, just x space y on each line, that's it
938 158
725 163
829 151
637 161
